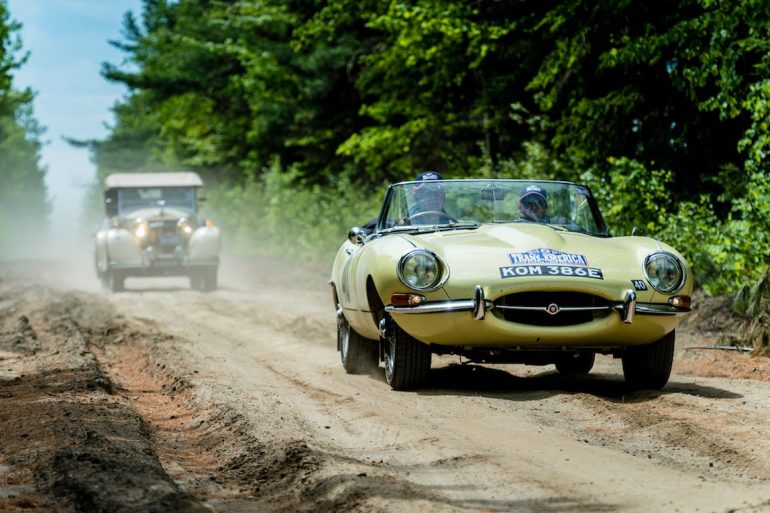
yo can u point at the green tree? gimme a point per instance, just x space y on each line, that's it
24 206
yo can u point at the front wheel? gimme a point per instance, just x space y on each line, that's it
358 354
116 280
649 366
209 277
407 360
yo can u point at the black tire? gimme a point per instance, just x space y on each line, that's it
576 363
116 280
359 355
649 366
196 281
407 360
209 278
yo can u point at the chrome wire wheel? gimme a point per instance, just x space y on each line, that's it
390 351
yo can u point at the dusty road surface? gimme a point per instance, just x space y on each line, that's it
162 399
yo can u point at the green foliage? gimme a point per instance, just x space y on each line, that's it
274 214
661 107
24 207
752 304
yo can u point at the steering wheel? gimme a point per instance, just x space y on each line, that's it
443 216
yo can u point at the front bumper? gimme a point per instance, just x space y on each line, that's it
628 308
448 323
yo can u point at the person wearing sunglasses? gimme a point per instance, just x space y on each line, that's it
533 204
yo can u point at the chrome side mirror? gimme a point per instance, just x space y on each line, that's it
356 236
637 231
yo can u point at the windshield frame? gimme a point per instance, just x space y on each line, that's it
393 193
191 193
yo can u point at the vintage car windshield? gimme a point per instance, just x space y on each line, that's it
462 203
134 198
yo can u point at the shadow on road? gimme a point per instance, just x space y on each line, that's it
474 380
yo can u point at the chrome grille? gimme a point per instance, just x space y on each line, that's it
165 235
552 308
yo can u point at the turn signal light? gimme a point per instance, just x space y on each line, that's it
680 301
399 299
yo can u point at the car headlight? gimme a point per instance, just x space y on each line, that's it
140 229
185 226
665 272
421 270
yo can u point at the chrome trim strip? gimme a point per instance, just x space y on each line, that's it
441 306
658 309
561 308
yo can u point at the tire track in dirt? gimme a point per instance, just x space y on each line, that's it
70 443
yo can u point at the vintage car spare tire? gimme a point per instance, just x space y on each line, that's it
576 363
358 354
407 360
649 366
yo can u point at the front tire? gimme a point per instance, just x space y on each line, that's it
649 366
359 355
407 360
116 280
209 278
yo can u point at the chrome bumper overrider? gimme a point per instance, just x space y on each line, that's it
627 308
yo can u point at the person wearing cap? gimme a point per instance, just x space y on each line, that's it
533 204
428 199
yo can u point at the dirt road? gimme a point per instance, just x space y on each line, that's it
165 399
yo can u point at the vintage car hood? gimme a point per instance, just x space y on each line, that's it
481 255
156 214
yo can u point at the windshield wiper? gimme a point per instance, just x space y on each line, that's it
427 228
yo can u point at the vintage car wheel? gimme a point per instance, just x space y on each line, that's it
407 360
649 366
116 280
358 354
196 281
576 363
209 278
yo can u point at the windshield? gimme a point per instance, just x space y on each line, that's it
143 197
561 205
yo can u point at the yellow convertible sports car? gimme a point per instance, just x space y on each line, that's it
504 271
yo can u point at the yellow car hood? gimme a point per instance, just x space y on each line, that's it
479 256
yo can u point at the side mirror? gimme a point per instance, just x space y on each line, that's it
637 231
356 236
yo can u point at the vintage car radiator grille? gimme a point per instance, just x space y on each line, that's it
551 308
165 235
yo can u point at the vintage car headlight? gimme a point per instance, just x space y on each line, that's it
140 229
420 269
185 226
665 272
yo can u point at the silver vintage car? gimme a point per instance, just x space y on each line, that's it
152 228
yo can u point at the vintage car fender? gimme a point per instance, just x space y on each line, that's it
204 244
121 246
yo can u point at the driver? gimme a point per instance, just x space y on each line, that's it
428 198
533 204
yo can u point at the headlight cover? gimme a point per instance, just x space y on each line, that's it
420 270
665 272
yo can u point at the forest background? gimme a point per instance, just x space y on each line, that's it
297 113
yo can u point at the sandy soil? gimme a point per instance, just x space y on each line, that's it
163 399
